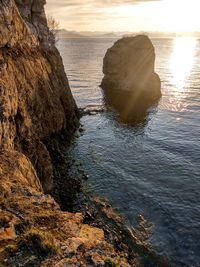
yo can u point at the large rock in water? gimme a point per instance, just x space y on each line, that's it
130 83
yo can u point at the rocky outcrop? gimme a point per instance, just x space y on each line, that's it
35 232
37 112
130 83
36 103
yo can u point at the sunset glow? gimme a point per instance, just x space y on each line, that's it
181 61
125 15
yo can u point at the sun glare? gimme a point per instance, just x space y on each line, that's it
132 16
181 60
181 16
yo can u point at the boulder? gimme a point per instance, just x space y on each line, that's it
130 83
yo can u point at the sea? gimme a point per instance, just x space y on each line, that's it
153 167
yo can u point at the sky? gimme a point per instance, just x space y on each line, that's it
126 15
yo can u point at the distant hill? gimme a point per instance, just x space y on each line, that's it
69 34
95 34
73 34
110 35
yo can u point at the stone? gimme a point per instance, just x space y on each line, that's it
36 102
7 233
130 83
38 112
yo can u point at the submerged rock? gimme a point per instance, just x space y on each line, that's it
130 83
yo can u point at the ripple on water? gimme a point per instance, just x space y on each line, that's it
152 167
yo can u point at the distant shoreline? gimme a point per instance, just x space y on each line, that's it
101 37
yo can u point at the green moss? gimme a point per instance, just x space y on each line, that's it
44 241
111 262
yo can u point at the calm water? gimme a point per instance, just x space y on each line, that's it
152 168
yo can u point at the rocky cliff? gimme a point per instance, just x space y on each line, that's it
37 111
130 83
36 103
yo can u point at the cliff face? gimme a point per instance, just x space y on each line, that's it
35 99
35 232
37 111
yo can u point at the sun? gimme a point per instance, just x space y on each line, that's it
165 15
182 15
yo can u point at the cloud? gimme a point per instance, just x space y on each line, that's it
126 15
54 4
94 14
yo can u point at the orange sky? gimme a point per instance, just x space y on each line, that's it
126 15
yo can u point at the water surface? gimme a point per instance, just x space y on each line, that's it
152 168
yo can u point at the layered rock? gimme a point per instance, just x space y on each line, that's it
37 111
130 83
35 99
35 232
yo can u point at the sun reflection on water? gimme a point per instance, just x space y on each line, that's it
181 64
181 61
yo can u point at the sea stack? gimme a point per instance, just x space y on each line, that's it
130 83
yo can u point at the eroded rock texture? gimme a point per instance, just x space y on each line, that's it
36 109
35 232
130 83
35 99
